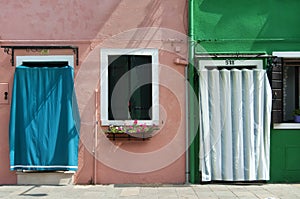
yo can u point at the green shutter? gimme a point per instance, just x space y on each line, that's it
277 91
118 106
141 87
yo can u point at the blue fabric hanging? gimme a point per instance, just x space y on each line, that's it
44 119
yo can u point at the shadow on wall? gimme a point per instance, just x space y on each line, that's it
87 130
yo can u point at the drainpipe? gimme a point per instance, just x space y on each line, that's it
193 129
95 137
187 170
184 63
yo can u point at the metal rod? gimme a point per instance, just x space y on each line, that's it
40 47
19 41
249 40
74 48
233 55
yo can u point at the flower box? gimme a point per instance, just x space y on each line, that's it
135 131
129 136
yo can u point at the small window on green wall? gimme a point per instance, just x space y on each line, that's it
285 89
285 86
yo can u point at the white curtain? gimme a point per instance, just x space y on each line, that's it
235 114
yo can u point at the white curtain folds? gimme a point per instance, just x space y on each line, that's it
235 115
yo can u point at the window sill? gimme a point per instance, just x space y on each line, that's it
286 126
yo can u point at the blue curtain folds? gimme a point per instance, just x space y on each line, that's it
44 119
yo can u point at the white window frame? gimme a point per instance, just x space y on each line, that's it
230 63
286 54
104 53
45 58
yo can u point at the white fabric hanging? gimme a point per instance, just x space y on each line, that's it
235 115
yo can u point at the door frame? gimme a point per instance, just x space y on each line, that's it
45 58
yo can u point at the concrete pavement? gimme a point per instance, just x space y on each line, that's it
208 191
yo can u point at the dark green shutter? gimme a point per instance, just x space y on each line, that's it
277 90
141 87
118 106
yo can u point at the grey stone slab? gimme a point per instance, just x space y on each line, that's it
224 193
188 197
185 191
149 197
208 194
166 195
244 194
166 191
226 197
218 187
263 194
148 191
201 187
93 194
290 196
210 191
130 191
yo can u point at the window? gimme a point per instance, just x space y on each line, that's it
290 87
285 88
44 120
129 86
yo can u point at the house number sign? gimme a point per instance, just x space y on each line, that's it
229 62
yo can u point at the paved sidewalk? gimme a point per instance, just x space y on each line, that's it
266 191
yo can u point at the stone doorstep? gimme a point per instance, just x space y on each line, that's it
45 178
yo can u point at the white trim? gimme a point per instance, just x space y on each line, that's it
224 62
286 126
287 54
45 58
40 166
104 53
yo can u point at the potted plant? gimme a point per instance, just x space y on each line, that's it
296 114
131 131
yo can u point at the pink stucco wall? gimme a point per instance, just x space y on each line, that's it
92 25
6 75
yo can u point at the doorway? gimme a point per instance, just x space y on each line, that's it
44 121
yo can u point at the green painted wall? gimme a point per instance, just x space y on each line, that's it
237 26
285 156
243 25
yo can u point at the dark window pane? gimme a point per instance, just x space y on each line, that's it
290 92
118 93
130 87
46 64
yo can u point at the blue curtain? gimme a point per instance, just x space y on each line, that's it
44 119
